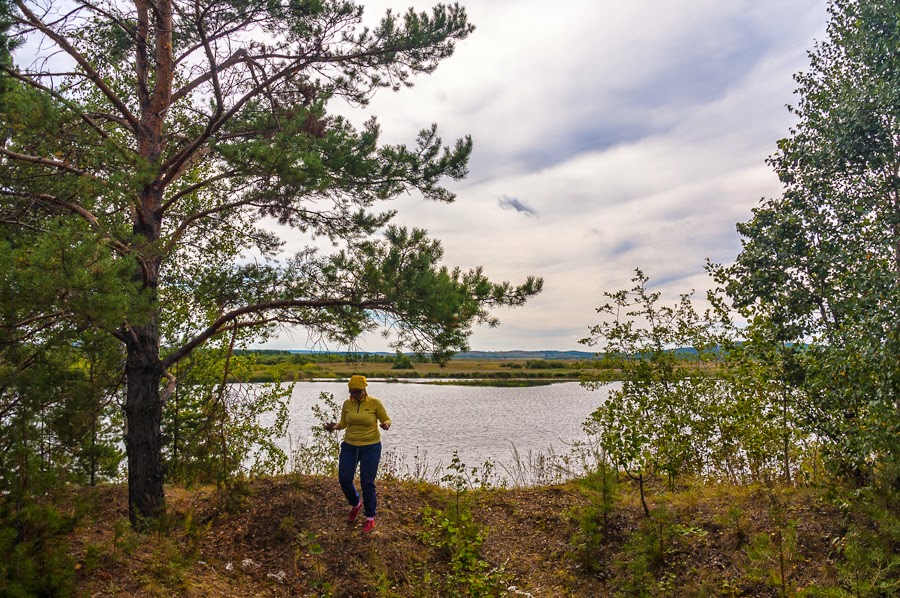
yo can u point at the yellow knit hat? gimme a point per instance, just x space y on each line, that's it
357 383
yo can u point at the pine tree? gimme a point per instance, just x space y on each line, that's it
168 136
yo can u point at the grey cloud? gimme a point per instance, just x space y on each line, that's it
605 117
508 202
623 247
669 278
647 87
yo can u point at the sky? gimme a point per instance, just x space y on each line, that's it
608 136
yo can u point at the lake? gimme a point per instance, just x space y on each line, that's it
481 423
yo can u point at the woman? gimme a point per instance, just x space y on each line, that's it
360 416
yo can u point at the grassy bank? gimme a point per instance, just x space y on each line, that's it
287 536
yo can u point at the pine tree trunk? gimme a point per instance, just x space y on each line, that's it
154 61
143 418
143 368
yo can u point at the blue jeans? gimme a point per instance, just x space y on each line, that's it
368 458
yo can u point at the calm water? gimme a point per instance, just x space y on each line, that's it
481 423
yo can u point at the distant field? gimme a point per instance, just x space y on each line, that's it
499 369
270 366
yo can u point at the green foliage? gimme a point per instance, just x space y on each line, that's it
172 548
460 538
657 421
867 558
455 532
308 542
6 45
543 364
35 558
601 486
720 408
439 305
318 454
820 264
402 362
462 478
759 412
216 431
58 379
645 556
61 418
869 567
774 554
125 540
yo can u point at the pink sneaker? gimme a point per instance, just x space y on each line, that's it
354 512
368 526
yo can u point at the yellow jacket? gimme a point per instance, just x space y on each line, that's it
360 418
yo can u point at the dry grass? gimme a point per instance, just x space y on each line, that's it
290 539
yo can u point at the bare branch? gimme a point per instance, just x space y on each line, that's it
53 200
210 57
71 207
33 319
169 390
123 25
231 317
239 56
196 187
83 62
48 162
220 34
109 118
186 223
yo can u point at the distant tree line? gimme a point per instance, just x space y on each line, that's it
275 356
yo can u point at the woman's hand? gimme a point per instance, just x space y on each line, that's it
330 426
386 426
